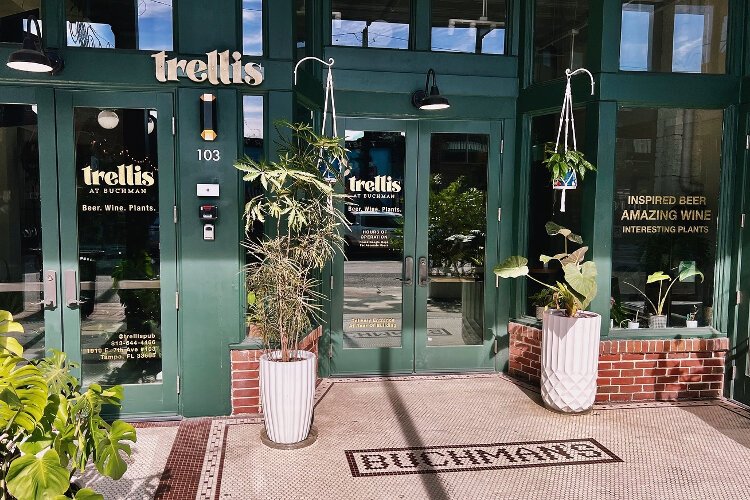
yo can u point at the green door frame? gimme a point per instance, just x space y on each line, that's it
387 359
414 355
738 361
151 399
460 357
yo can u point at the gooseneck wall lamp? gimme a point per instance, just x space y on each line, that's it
31 57
430 101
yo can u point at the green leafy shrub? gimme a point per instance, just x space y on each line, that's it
50 428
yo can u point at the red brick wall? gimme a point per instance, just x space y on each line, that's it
246 374
636 370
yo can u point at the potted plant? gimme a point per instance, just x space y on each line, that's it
301 200
685 271
542 300
690 318
565 166
570 335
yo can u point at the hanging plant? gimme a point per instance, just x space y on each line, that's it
563 163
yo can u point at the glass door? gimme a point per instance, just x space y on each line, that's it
118 255
29 255
457 227
373 287
410 294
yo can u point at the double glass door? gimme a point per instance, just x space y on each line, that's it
413 292
88 264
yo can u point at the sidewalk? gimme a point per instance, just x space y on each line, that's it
451 437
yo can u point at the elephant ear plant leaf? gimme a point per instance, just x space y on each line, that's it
301 207
685 270
51 429
579 288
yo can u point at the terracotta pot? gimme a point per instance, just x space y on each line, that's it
570 360
287 392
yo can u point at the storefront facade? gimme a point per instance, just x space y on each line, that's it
108 162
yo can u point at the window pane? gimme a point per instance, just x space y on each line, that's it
120 24
476 26
21 225
300 24
545 207
252 118
456 238
681 36
13 16
371 24
374 240
252 27
667 174
119 251
559 29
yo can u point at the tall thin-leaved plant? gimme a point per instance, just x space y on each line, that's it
300 209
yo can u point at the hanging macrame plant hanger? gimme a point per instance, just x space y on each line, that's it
328 175
567 121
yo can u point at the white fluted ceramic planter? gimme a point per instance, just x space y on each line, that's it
286 393
570 361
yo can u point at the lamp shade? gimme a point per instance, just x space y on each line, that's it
434 100
30 60
108 119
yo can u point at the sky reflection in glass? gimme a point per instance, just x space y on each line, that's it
252 27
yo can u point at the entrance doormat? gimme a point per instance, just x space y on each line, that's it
475 457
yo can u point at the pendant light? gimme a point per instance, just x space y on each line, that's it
432 101
108 119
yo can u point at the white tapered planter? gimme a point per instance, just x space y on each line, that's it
286 393
570 360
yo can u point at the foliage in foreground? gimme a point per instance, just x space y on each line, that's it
301 202
50 429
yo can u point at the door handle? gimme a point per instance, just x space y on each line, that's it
423 274
71 288
408 271
49 289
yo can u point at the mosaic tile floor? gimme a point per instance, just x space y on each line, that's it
490 435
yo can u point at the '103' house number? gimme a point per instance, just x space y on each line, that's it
209 155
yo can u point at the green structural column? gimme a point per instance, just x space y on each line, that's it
210 317
599 199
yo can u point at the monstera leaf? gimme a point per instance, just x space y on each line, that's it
582 279
7 325
34 478
84 494
109 460
56 371
23 394
513 267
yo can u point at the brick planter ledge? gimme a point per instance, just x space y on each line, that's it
636 370
246 372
